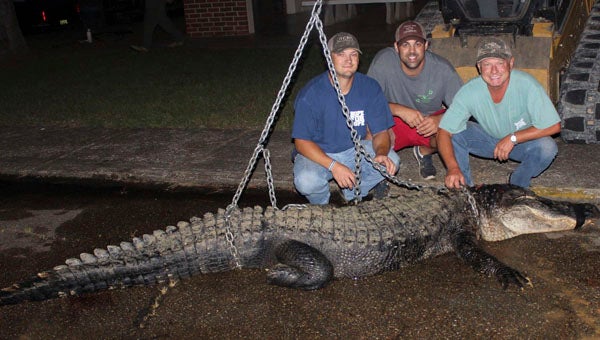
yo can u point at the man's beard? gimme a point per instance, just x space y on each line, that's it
412 64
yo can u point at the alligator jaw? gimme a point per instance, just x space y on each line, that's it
532 215
510 211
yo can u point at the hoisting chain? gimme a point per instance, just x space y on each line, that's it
260 147
358 149
471 200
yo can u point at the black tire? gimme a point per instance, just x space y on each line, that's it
579 102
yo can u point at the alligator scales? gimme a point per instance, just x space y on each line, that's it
307 248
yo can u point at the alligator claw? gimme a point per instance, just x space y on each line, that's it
507 276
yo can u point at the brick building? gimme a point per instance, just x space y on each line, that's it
222 18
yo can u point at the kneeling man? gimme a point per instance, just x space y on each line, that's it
515 120
322 138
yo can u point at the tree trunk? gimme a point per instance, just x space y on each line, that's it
12 41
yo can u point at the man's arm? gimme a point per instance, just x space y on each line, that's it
505 146
454 177
381 145
311 150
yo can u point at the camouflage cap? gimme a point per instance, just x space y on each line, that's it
492 47
342 41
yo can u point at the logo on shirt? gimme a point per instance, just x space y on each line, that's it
521 123
358 118
425 98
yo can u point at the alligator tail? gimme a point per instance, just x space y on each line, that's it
170 254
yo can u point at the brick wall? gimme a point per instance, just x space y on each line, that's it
216 18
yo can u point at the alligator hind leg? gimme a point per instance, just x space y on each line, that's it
300 266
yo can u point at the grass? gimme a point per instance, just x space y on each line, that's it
189 87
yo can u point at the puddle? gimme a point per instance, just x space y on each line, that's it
37 231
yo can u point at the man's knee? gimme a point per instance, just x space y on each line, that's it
544 149
548 148
433 143
308 182
459 142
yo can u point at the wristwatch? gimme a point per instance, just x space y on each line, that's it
513 139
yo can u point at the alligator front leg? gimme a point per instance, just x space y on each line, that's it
300 266
466 247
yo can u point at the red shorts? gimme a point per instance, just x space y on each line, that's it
407 136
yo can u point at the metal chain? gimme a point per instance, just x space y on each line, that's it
258 150
268 171
471 200
353 133
231 238
280 95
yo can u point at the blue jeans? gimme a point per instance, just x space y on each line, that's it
535 155
312 179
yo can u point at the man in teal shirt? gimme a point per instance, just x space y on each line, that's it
515 120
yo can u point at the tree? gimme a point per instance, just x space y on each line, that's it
12 41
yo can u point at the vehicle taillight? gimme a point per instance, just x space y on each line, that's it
44 18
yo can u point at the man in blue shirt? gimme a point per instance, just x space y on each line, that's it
515 120
322 138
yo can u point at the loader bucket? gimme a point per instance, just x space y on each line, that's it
532 55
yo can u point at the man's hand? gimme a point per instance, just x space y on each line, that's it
412 117
503 149
343 176
429 125
390 167
454 179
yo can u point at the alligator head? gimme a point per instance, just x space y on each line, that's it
507 211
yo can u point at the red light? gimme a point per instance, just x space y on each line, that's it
44 19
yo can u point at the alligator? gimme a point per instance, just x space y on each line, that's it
308 247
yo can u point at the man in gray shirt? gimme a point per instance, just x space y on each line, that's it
418 85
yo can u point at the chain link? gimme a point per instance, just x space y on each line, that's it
471 200
358 148
316 11
258 150
231 238
269 173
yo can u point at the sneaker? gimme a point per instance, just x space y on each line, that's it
139 48
426 167
381 190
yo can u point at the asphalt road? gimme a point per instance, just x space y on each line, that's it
440 298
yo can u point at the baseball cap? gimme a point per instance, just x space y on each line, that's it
492 47
410 29
341 41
